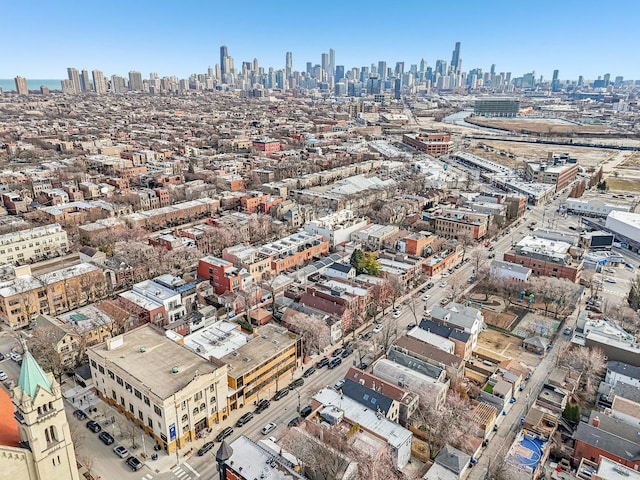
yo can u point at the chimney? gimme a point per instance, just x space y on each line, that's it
596 421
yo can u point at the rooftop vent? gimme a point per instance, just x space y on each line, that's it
174 370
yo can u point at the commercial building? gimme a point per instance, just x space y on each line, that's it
456 223
510 271
435 144
557 174
24 295
264 365
545 257
172 402
594 207
626 227
33 244
497 107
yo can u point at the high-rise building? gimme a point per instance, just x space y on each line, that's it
224 62
135 81
21 86
382 70
339 72
607 79
399 68
288 65
580 81
74 76
456 64
555 82
85 81
325 62
332 62
99 82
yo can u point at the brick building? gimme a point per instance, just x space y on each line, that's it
435 144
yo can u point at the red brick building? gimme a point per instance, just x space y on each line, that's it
223 275
266 145
435 144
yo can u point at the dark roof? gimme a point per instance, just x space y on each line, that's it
88 251
341 267
536 342
626 390
414 363
83 371
624 369
366 396
607 441
425 350
444 331
452 459
224 452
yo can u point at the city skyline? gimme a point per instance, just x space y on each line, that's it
568 39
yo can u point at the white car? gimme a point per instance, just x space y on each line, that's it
443 284
378 329
268 428
445 274
121 451
397 314
610 280
425 298
3 376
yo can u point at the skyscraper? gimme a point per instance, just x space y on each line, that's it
135 81
288 66
455 59
224 62
21 86
74 76
332 62
555 83
399 68
99 82
382 70
339 72
325 62
85 81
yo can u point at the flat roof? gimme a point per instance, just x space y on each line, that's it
270 339
216 340
149 356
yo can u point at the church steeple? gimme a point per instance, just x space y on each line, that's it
32 376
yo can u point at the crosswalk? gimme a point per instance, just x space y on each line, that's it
148 476
181 472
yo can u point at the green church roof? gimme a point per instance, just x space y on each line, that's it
32 375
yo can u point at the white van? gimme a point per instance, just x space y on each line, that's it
16 357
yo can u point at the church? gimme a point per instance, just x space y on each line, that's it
35 442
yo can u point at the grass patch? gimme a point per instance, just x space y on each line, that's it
488 388
623 184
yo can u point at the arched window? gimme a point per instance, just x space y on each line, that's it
202 407
46 435
39 411
185 418
195 411
52 433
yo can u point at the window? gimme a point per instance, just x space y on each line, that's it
137 393
131 408
111 374
122 401
140 415
146 400
157 410
119 380
113 394
197 396
94 364
150 422
101 369
128 387
185 418
195 411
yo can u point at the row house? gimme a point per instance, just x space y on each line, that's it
74 192
294 251
439 262
52 197
453 223
249 258
15 203
223 275
25 295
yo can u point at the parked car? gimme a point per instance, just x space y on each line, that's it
298 382
262 406
610 280
134 463
3 376
334 363
429 285
491 255
629 265
362 366
336 352
377 329
294 422
106 438
322 362
365 336
16 357
205 448
79 414
339 384
306 411
268 428
121 451
244 419
93 426
444 301
397 314
224 434
346 353
282 393
426 297
568 331
308 372
445 274
411 325
443 284
1 356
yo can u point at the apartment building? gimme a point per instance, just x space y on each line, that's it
559 175
182 395
266 145
337 227
24 294
223 275
249 258
456 223
14 203
294 251
33 244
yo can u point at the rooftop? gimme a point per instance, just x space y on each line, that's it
216 340
137 349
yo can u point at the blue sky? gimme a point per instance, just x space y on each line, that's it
42 38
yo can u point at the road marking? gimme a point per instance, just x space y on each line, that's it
176 468
148 476
185 464
181 473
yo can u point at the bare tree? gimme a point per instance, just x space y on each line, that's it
314 332
43 345
591 362
387 335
